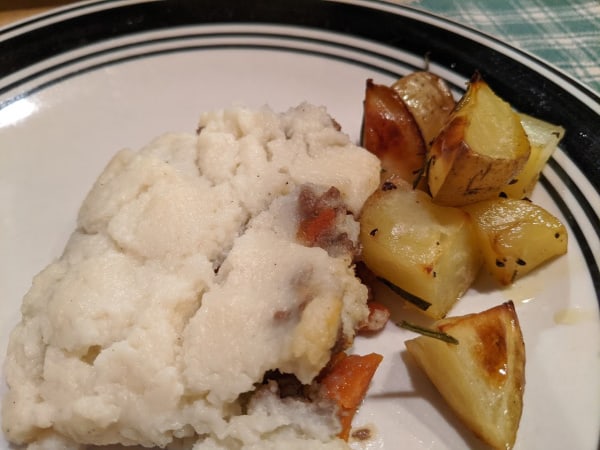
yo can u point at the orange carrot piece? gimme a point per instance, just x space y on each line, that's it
346 382
312 228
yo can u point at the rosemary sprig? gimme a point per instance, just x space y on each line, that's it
428 332
417 301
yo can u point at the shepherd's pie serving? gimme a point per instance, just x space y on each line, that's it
193 292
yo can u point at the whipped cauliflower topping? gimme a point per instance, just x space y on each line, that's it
184 283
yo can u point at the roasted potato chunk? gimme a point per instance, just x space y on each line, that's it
481 148
516 236
392 134
429 100
427 251
543 138
483 376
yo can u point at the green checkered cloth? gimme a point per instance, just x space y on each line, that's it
565 33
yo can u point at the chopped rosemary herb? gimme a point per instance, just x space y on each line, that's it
428 332
418 176
388 186
417 301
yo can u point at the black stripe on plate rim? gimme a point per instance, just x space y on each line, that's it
118 48
589 212
588 254
538 96
402 10
581 198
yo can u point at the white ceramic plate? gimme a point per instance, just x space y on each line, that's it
78 84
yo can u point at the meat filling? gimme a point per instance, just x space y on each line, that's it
321 217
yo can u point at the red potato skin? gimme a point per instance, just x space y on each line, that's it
391 133
429 99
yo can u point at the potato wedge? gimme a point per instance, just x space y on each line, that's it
516 236
429 100
543 138
482 147
427 251
483 376
392 134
